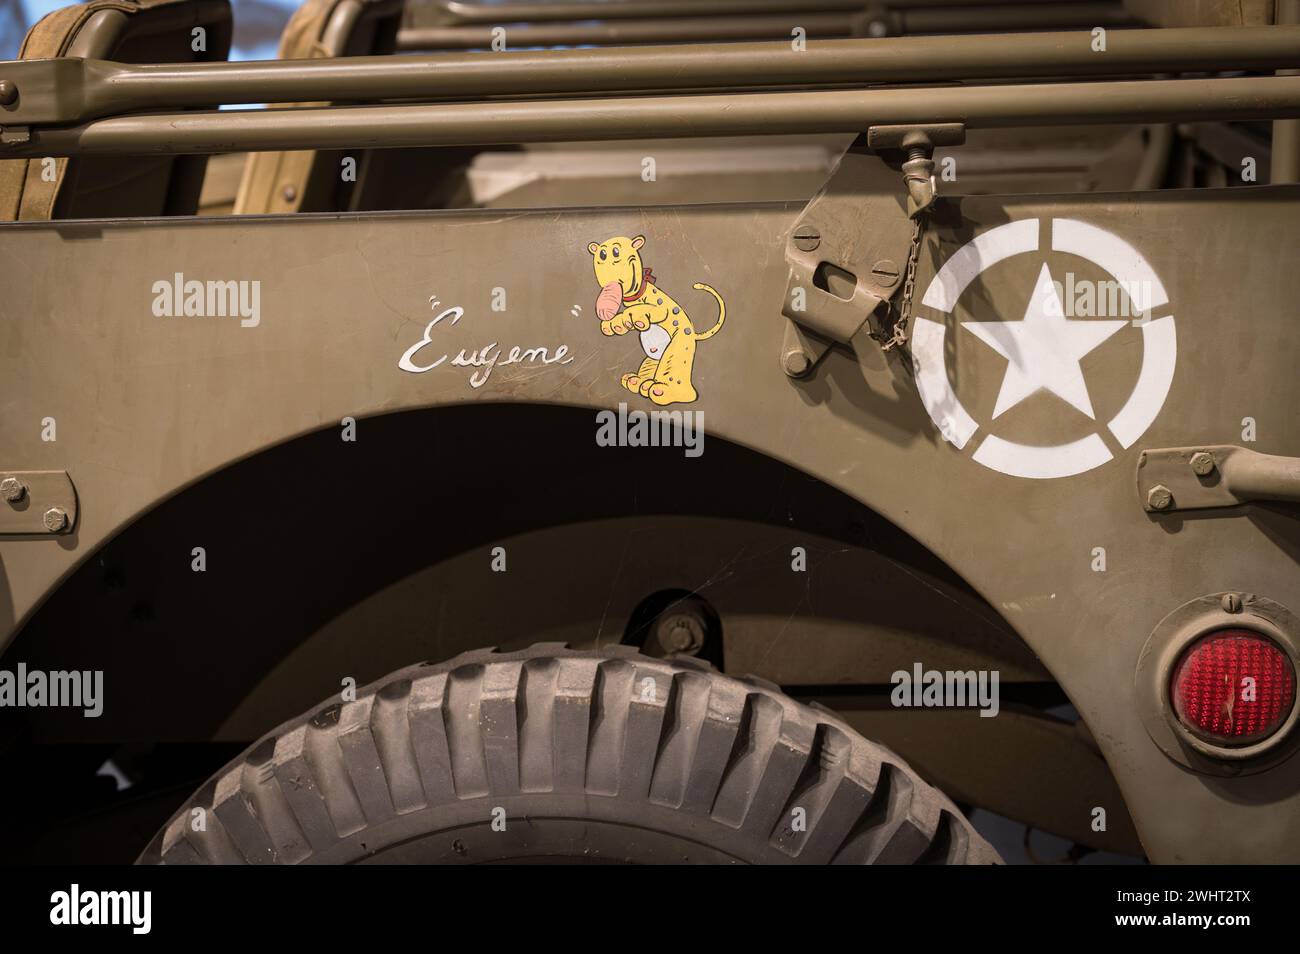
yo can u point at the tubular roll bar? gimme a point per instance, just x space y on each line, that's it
67 91
758 113
815 19
458 12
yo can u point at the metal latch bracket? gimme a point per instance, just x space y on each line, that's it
847 250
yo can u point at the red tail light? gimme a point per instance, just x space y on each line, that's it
1233 687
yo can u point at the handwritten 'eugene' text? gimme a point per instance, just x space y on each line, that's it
423 355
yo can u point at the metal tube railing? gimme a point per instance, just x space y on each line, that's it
649 117
457 12
753 26
92 89
1285 158
627 32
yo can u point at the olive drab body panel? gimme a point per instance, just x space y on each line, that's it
1012 394
356 295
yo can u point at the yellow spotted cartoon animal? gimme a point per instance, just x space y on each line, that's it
667 336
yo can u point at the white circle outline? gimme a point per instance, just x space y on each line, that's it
1104 249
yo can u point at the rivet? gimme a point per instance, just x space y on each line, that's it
797 363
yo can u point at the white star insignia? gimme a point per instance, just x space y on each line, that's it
1043 350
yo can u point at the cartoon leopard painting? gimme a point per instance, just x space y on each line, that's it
667 336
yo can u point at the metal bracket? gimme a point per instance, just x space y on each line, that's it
43 92
1219 475
40 502
847 250
845 256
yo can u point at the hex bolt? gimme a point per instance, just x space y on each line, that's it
807 238
55 519
1231 603
681 638
8 93
796 363
1203 463
681 633
1159 497
12 489
885 272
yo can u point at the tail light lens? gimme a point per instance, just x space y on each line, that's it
1233 687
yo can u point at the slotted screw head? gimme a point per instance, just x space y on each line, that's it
885 272
806 238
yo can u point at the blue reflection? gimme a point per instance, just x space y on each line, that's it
258 25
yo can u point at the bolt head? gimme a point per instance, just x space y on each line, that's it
681 633
1160 497
8 93
289 193
680 638
1231 603
12 489
1202 463
797 364
806 238
55 519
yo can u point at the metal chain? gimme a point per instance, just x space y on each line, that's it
899 332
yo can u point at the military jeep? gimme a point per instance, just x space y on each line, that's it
649 431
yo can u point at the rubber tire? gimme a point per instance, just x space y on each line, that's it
596 755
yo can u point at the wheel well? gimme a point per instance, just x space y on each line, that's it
328 560
295 536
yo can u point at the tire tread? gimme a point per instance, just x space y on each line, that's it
605 723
